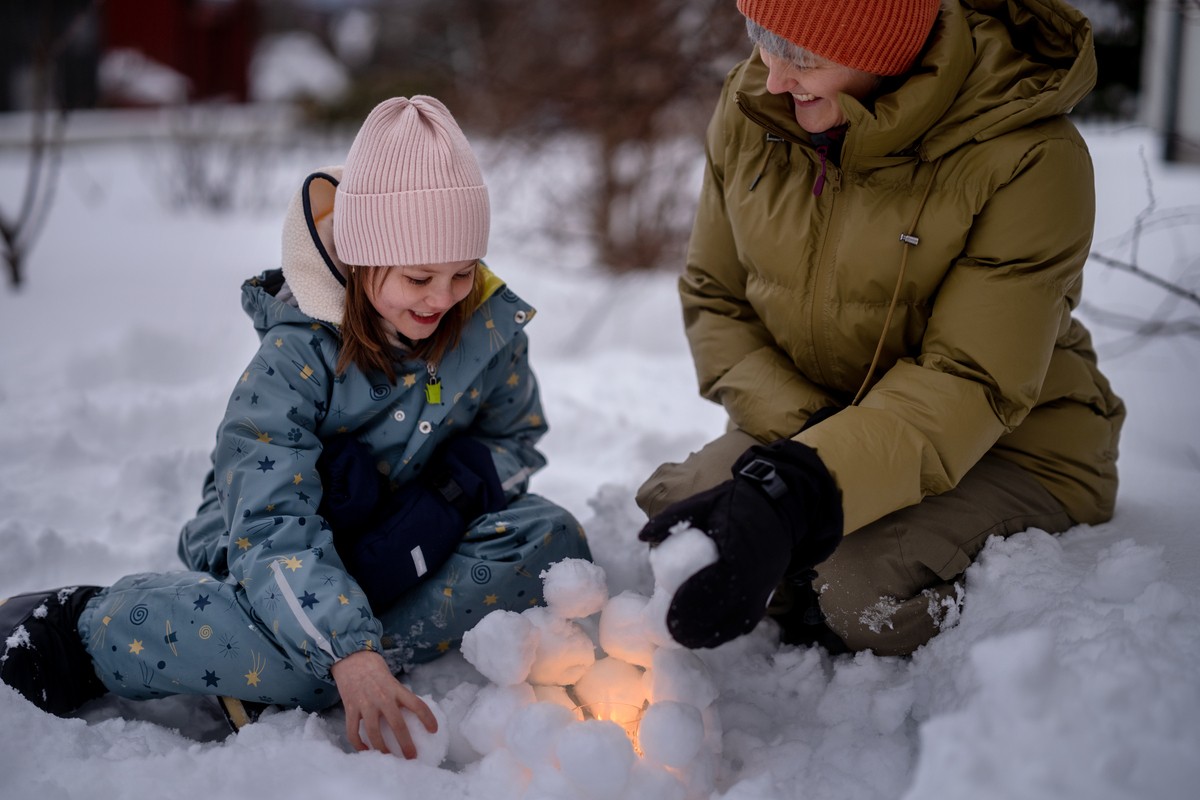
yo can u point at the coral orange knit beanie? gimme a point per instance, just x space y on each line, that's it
411 192
882 37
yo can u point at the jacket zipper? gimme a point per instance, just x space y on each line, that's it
819 184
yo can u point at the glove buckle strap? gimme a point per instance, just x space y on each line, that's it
763 473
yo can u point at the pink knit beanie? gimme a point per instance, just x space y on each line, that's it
882 37
411 192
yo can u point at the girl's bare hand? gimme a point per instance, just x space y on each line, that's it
371 695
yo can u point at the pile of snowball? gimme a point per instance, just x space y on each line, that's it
582 650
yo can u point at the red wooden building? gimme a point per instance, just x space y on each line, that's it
210 42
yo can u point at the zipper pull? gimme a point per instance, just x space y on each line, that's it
433 386
819 185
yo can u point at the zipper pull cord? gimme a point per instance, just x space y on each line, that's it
819 185
909 239
774 141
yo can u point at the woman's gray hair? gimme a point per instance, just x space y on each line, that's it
776 45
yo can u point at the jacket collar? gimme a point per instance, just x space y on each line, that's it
970 83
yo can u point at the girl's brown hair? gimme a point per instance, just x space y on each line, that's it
365 342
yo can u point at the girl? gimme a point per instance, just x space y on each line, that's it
390 408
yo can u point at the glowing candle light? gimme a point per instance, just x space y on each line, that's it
628 716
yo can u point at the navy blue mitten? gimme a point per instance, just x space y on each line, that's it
413 531
350 484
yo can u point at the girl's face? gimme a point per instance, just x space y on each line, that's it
814 89
414 299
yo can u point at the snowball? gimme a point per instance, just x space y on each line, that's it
650 781
713 730
485 721
700 778
680 675
431 747
671 733
564 650
684 553
596 757
655 619
502 774
550 784
455 705
553 694
611 680
574 588
502 647
534 730
623 630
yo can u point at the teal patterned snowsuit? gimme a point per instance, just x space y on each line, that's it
268 606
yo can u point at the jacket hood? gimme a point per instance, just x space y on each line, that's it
991 66
311 284
311 266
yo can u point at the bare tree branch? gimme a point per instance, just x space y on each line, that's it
17 234
1133 269
1147 220
1147 327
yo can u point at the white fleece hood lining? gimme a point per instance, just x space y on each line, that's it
309 254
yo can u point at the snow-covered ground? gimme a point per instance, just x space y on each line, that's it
1072 673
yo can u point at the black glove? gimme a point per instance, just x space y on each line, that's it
780 514
410 533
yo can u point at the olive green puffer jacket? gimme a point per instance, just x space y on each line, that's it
786 291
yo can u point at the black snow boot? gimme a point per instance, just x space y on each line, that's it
43 657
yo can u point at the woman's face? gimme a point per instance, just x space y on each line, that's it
414 299
814 89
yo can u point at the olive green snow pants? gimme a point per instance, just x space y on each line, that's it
891 585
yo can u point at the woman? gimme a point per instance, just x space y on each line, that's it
368 499
890 240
